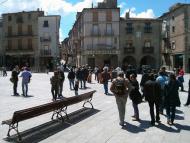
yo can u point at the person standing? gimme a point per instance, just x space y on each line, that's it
152 95
181 78
135 96
188 98
14 78
172 98
26 76
121 88
105 76
71 77
54 80
61 76
76 88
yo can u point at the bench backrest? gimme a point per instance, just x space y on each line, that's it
79 98
48 107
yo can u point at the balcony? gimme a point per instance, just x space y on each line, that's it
23 51
109 33
100 49
147 29
129 50
129 30
148 50
45 39
10 35
45 53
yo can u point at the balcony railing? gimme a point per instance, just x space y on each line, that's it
45 39
44 52
147 29
19 35
148 49
129 50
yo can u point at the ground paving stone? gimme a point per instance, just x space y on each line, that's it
99 126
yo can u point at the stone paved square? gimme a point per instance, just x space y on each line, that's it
87 126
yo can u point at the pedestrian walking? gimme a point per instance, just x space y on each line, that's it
4 71
188 98
152 94
121 88
135 96
26 77
54 80
105 76
162 79
14 79
172 98
180 77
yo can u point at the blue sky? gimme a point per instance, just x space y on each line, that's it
68 8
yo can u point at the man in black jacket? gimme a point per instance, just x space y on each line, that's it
14 78
152 95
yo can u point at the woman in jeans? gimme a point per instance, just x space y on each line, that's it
172 99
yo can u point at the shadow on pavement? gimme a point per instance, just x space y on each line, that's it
41 132
132 128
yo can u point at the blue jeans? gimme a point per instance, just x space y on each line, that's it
136 110
24 88
106 87
71 83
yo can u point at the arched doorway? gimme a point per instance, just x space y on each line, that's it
148 60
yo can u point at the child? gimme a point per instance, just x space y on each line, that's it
76 87
54 85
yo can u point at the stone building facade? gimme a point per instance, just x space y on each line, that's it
1 46
140 41
94 36
20 37
176 37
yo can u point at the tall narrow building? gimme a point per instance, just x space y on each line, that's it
176 37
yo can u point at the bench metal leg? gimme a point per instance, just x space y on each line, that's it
88 101
14 127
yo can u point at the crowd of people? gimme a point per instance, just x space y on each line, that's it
158 89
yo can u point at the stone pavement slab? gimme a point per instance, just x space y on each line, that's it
88 126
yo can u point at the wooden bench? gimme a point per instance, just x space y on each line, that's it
58 107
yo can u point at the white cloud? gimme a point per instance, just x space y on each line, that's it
121 5
61 37
149 13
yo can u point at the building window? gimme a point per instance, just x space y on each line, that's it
20 44
29 43
173 45
46 24
19 19
9 18
173 29
109 15
147 43
147 27
46 50
129 28
9 44
108 29
95 29
129 43
173 18
29 16
9 30
95 16
29 29
19 29
115 40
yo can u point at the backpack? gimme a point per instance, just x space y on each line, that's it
120 88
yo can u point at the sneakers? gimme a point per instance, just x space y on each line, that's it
135 119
